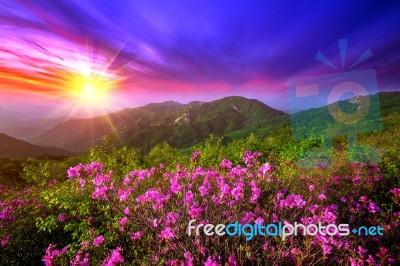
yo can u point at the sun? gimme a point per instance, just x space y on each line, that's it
90 86
91 89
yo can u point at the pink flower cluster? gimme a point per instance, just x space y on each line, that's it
151 209
52 253
114 258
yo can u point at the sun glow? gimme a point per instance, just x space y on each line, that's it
91 89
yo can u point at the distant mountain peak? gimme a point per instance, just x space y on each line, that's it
165 103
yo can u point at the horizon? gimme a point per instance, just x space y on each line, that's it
287 111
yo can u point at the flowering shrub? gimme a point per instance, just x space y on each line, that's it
142 217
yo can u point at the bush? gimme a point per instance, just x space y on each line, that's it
143 217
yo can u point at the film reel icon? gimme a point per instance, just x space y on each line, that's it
349 118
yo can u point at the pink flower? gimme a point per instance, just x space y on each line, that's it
225 190
155 223
396 192
363 199
295 251
100 193
98 241
114 258
175 187
52 253
226 164
266 168
61 217
188 197
259 220
313 208
292 201
321 197
336 180
247 218
329 217
101 179
189 258
174 262
127 211
311 188
205 188
355 262
79 261
357 180
372 207
195 212
136 235
172 217
74 171
326 249
382 252
48 257
123 222
154 196
127 181
361 251
210 262
6 214
82 182
256 192
232 261
4 241
196 155
167 233
94 167
216 199
124 194
237 192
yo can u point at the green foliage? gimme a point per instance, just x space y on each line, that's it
40 172
164 154
211 152
234 150
391 163
11 171
27 242
121 160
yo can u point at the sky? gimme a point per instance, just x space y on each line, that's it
81 58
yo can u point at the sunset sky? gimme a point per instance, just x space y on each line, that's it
81 57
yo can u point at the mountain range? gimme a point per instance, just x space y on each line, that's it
181 125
